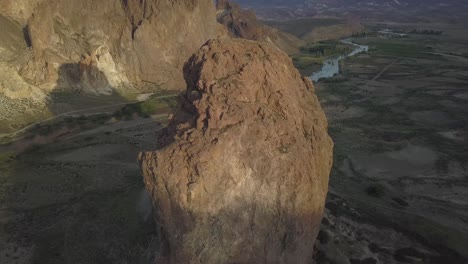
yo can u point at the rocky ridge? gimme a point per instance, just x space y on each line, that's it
243 23
133 43
129 41
241 174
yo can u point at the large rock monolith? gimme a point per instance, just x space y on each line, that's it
241 175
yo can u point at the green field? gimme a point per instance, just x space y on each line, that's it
313 54
398 47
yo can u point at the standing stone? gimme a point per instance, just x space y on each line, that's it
241 175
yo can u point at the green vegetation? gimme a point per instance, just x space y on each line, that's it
7 157
313 55
307 64
364 34
397 47
326 49
376 190
145 109
427 32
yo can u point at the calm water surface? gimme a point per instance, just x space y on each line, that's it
331 66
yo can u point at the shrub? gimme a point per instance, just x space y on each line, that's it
377 191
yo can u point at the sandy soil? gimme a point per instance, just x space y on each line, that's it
79 198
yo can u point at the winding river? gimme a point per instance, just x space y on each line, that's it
331 66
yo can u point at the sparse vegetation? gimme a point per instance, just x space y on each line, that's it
313 55
427 32
376 190
400 96
307 64
398 47
326 49
145 109
7 157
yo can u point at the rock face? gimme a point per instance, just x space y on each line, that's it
244 24
130 41
19 10
242 172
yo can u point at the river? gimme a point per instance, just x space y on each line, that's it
331 66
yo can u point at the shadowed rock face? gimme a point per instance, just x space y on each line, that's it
131 41
241 23
242 172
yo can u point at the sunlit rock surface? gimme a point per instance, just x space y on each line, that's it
241 174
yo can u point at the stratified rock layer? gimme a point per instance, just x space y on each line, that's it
242 172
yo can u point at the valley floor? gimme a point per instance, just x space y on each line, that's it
399 186
398 189
75 193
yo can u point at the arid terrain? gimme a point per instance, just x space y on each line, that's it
398 115
71 190
71 186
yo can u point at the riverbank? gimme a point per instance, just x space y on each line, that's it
398 189
331 66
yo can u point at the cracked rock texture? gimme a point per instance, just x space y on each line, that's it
131 41
97 47
242 171
243 23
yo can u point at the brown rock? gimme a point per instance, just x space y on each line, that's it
243 23
18 10
143 41
242 174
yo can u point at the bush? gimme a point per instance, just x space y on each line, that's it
45 130
7 157
377 191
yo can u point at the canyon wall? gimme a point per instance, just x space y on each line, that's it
130 41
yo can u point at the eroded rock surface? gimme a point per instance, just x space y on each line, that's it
138 41
242 172
94 47
243 23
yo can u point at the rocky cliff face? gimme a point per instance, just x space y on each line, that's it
129 41
19 10
244 24
242 172
94 47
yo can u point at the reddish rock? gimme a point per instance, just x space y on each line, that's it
142 41
242 23
242 172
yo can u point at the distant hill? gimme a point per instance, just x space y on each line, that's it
320 4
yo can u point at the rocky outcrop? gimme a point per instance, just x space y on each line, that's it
19 10
140 42
96 47
242 172
243 23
